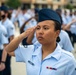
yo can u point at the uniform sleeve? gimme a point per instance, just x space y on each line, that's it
67 42
71 68
64 20
22 54
11 30
3 35
4 39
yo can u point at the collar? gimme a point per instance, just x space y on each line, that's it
37 51
56 54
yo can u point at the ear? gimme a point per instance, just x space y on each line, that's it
57 33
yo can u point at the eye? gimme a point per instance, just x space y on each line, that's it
46 28
37 28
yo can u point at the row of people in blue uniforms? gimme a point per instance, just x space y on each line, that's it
69 18
7 31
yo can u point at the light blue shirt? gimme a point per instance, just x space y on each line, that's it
22 18
30 24
65 40
59 62
64 19
73 26
9 27
3 36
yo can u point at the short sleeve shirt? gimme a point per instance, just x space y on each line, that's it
59 62
3 36
65 40
9 27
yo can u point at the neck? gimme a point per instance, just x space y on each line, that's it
48 49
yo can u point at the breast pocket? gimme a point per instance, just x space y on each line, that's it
57 72
52 71
47 70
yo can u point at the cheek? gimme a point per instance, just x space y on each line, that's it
50 35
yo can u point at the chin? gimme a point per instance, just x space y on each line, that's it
42 42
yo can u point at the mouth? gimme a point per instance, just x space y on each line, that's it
40 38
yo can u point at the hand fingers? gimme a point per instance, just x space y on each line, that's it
30 31
2 67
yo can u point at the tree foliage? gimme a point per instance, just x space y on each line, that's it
69 6
13 3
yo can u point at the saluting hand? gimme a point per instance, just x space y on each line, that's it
29 31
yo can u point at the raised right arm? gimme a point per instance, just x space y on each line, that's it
16 41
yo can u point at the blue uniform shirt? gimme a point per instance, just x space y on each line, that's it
30 24
3 36
22 18
9 27
65 40
59 62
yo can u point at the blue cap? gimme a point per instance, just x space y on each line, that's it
49 14
4 8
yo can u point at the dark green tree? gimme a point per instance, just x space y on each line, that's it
69 6
13 3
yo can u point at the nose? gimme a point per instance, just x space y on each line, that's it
41 31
